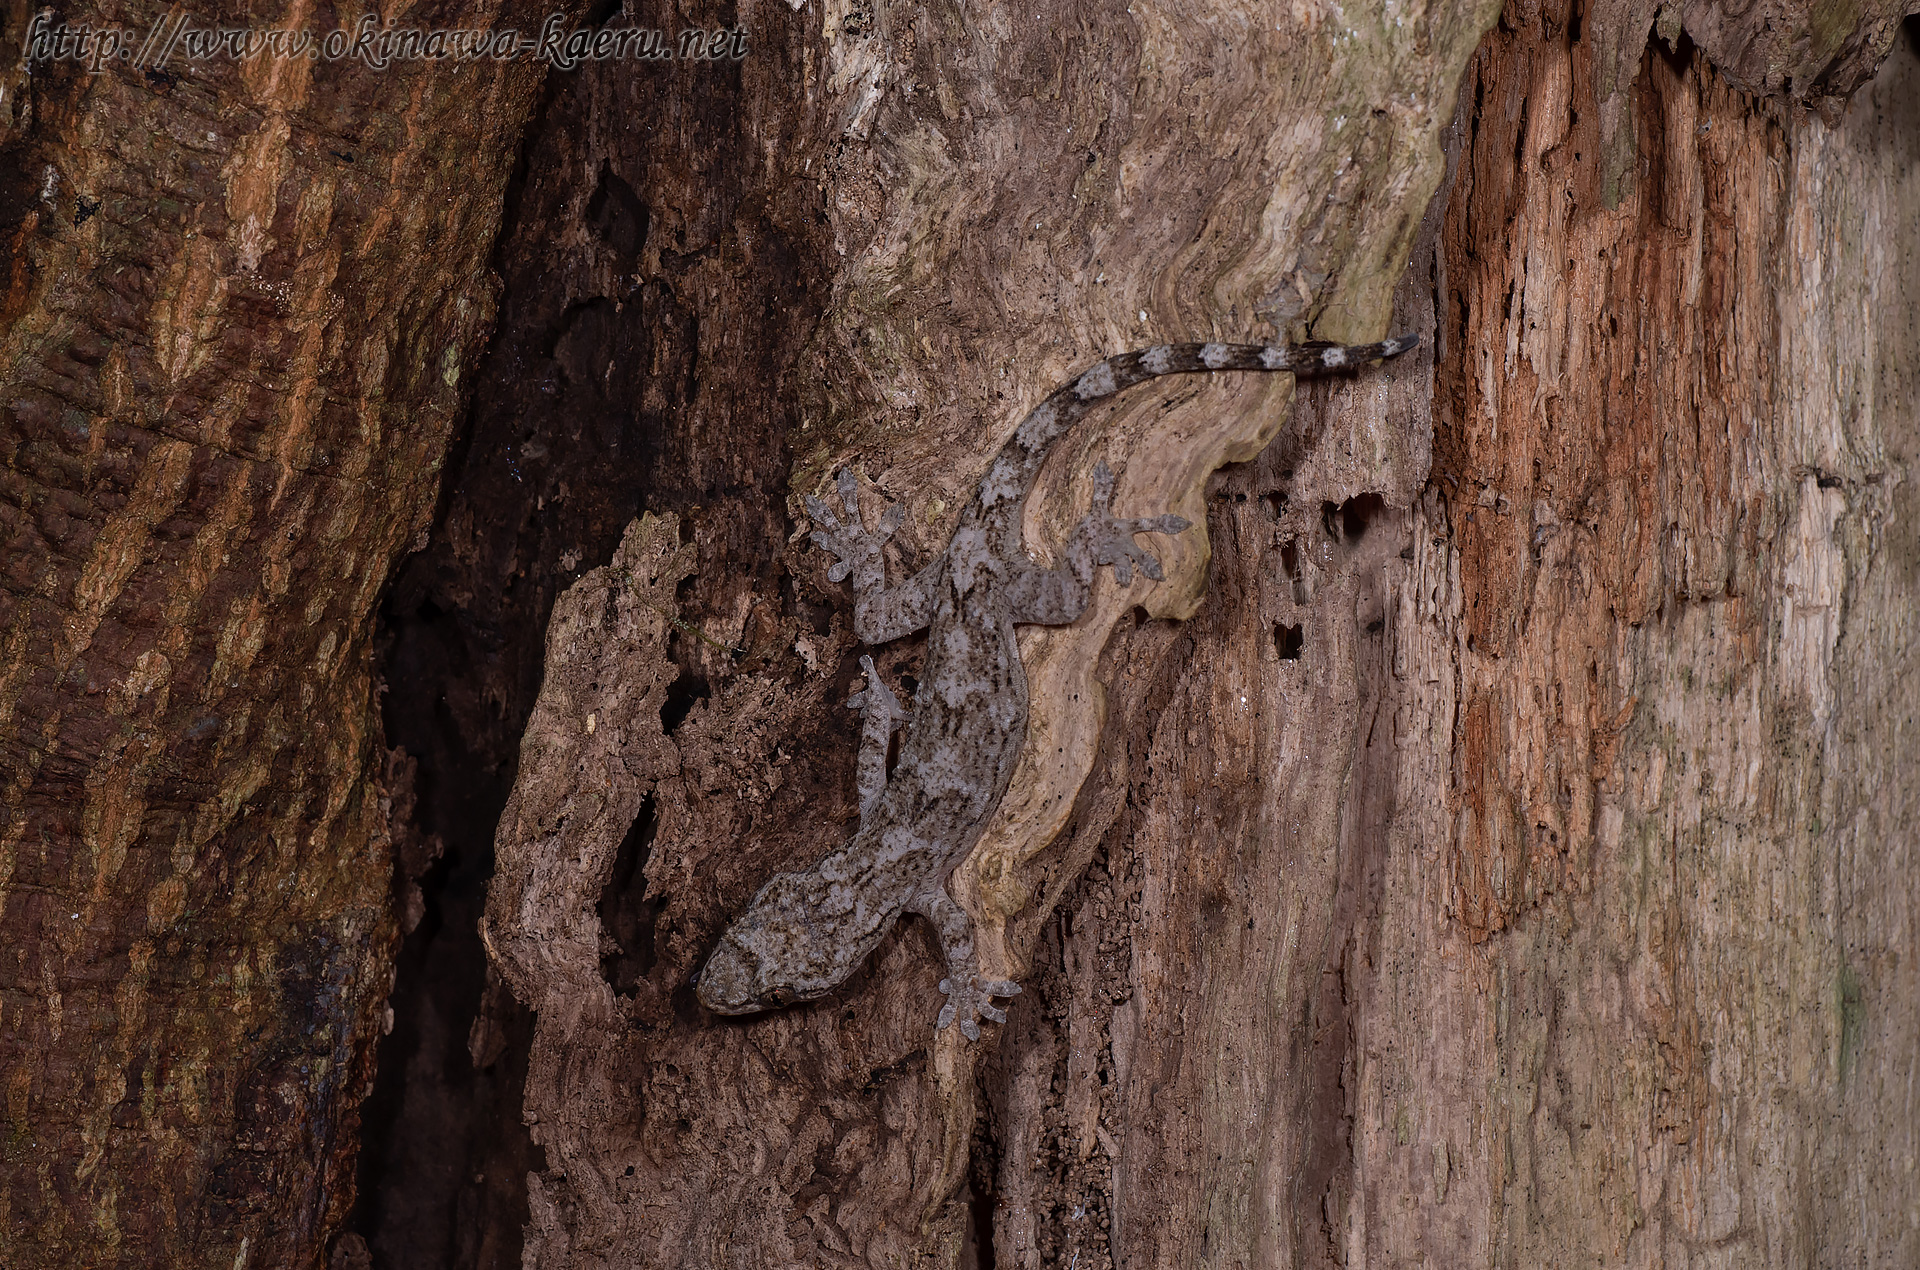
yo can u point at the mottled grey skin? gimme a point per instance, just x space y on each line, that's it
806 932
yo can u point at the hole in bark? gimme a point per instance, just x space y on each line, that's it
626 915
1288 641
617 214
681 695
1290 558
441 1134
1349 521
1276 502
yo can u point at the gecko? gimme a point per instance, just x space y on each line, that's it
806 932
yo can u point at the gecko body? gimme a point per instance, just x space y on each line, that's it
806 932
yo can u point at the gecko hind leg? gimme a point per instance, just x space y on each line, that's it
883 715
969 998
1056 596
1109 540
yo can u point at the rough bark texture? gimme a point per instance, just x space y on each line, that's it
1391 946
1058 178
1509 863
661 274
242 304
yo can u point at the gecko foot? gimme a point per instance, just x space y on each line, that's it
852 542
877 698
1110 540
974 1002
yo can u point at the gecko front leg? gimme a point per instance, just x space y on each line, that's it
969 998
883 715
1056 596
879 614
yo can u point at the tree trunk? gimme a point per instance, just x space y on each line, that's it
1490 844
1404 902
244 302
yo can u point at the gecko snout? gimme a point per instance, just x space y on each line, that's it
730 981
735 981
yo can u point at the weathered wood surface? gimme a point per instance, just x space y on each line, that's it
1502 865
1643 981
240 305
1499 867
1005 200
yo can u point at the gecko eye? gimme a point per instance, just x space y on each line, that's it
781 994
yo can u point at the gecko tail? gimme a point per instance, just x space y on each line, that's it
1020 459
1185 359
1122 371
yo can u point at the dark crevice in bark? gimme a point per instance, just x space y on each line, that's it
981 1188
529 503
626 914
583 416
681 696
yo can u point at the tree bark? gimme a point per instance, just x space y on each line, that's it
1490 845
1485 872
243 303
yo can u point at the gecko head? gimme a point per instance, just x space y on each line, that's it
734 980
773 955
737 980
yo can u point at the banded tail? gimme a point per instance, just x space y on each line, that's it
1020 458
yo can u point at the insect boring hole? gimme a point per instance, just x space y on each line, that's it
1288 641
1348 522
1290 558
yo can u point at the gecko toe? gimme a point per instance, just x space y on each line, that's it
972 1001
1102 486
